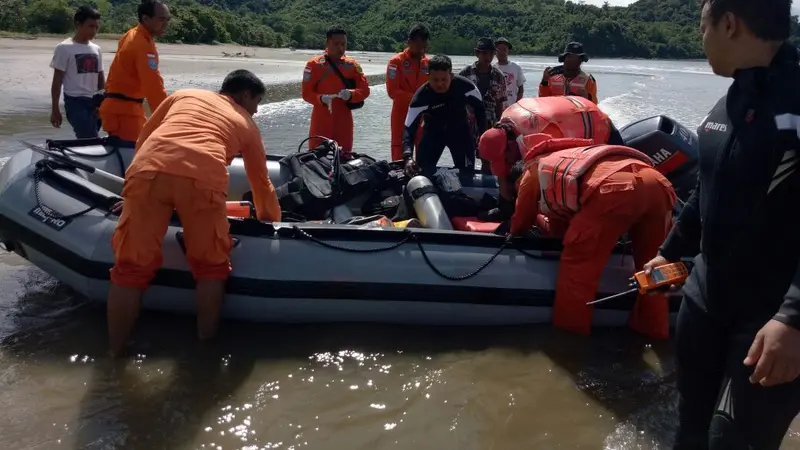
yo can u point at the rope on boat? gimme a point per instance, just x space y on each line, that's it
409 236
41 167
114 151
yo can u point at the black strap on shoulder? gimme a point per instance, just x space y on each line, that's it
337 71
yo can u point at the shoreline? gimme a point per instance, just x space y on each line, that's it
110 39
26 78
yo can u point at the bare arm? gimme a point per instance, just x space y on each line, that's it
55 88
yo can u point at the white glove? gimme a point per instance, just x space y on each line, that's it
327 99
344 94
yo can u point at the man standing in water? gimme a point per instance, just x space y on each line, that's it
490 80
334 85
78 65
181 164
405 73
515 78
568 78
738 331
491 83
134 76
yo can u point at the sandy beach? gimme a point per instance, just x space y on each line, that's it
26 75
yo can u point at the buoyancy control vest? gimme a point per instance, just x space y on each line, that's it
317 187
561 164
560 117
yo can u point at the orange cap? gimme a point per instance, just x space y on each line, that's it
492 146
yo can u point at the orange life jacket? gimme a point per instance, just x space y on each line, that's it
559 85
561 164
560 117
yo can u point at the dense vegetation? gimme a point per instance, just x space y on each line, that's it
646 29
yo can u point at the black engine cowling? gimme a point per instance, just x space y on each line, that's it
671 146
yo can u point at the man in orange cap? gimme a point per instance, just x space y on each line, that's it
406 72
602 191
134 76
568 78
335 85
181 163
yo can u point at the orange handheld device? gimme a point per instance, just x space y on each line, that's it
240 209
660 278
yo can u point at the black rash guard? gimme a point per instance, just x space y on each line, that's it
445 114
742 226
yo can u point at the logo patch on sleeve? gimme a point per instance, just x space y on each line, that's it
152 61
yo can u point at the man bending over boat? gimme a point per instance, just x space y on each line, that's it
503 145
602 191
181 164
442 103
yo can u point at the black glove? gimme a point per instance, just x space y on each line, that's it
503 212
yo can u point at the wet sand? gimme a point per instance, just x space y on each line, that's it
26 75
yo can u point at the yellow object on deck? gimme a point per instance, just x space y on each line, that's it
410 223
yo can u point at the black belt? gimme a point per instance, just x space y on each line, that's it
124 97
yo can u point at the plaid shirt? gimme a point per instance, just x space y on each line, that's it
495 93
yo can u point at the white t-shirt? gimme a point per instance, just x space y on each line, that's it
514 79
81 64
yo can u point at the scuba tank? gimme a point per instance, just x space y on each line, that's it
427 205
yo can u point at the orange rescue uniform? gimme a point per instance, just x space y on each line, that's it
603 191
583 85
567 116
132 77
404 75
181 163
320 79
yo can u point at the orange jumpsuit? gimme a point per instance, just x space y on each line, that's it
618 194
584 85
566 116
404 75
132 77
181 163
320 79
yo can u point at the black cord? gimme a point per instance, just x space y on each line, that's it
409 235
114 151
42 166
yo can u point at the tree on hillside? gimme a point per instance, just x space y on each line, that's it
645 29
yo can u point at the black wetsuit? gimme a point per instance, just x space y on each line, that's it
743 219
446 125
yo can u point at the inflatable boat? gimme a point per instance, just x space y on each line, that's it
56 214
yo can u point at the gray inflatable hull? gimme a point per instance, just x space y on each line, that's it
286 272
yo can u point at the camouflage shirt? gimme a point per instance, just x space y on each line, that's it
496 91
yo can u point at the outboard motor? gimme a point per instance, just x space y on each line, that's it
672 147
429 208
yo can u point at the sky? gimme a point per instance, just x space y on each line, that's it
795 4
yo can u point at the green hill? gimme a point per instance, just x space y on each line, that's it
645 29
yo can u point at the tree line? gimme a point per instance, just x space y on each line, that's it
645 29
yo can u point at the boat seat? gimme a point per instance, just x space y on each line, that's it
473 224
79 188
